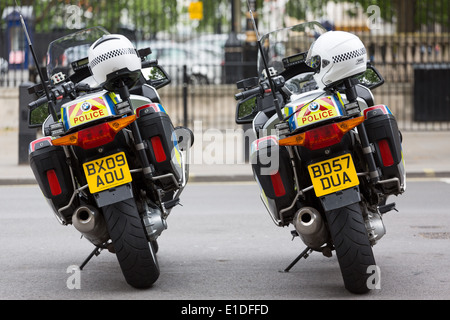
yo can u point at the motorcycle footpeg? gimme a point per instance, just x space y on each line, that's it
171 203
387 207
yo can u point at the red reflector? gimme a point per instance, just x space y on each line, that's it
385 152
277 184
96 136
158 149
53 182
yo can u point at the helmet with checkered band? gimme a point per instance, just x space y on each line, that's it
111 53
335 56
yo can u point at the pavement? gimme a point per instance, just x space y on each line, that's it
426 154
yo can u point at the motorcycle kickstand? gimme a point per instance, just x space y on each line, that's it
95 252
304 254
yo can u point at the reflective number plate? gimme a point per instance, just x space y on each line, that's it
333 175
108 172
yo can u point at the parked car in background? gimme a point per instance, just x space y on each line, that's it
217 41
203 66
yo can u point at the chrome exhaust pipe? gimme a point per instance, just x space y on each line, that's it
91 224
310 227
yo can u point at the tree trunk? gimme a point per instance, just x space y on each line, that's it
406 10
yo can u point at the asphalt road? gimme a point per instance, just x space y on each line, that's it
222 245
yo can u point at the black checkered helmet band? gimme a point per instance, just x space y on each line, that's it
349 55
112 54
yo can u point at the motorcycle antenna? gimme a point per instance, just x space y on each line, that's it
269 77
41 76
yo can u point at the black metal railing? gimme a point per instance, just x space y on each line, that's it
408 41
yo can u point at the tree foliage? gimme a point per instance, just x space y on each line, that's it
409 15
149 15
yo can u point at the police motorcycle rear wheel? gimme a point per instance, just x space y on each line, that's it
136 255
353 249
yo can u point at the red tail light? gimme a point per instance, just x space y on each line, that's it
158 149
53 182
277 184
385 152
95 136
322 137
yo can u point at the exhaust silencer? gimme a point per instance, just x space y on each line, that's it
310 227
91 224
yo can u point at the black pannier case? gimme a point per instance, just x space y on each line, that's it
157 129
49 162
273 171
383 133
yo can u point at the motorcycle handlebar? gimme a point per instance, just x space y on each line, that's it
39 102
248 93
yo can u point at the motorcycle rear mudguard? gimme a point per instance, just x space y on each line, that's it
118 193
341 199
344 197
114 195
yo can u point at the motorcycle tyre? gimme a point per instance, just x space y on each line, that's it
353 249
135 254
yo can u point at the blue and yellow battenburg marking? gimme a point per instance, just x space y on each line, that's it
176 150
318 110
89 108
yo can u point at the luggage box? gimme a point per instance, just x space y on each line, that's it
48 163
383 133
157 129
273 172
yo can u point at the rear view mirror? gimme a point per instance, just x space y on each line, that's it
37 116
246 110
371 78
156 76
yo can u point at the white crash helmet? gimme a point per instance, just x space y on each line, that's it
336 55
111 53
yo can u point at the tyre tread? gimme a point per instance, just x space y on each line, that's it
134 253
352 245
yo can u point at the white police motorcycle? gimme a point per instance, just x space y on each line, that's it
110 161
326 157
